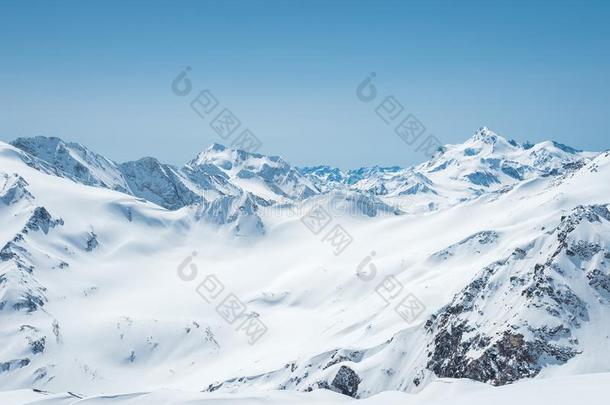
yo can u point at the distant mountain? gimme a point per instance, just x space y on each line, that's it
484 163
74 161
269 178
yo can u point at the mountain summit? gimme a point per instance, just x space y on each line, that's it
486 161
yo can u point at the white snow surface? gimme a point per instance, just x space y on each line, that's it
583 389
93 309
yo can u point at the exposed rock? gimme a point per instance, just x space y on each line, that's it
13 188
13 364
38 345
29 302
600 281
91 242
41 220
466 345
346 381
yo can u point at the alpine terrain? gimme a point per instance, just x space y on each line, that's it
479 276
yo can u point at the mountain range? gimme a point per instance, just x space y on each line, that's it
484 266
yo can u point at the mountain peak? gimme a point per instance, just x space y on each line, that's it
486 135
39 142
73 160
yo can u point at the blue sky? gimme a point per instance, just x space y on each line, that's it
100 73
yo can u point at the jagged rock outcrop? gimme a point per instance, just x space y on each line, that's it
346 381
538 307
13 188
41 220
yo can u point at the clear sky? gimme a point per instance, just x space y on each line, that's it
100 73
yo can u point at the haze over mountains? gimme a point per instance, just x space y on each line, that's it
503 246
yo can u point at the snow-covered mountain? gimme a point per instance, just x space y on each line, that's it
74 161
269 178
486 162
490 262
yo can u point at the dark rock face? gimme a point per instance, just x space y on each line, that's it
30 302
92 242
583 250
513 319
507 360
346 381
600 281
41 220
38 346
13 364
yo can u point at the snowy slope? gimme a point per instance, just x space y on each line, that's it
93 299
528 300
587 389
